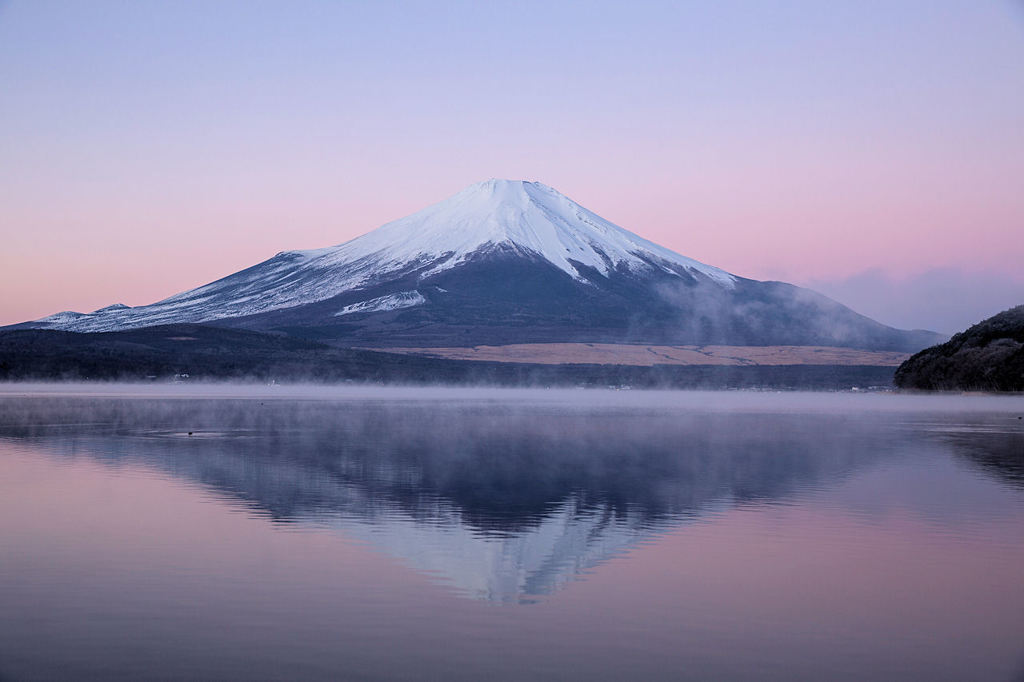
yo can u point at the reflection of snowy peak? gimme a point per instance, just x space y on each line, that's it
508 568
503 262
503 496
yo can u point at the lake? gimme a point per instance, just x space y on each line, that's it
360 533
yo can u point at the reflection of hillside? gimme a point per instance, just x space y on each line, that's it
998 453
504 502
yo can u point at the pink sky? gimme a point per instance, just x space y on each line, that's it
146 154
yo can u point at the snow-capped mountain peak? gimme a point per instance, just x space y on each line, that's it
525 218
527 215
504 262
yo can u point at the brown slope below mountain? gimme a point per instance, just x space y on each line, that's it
649 355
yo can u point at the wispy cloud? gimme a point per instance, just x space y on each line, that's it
941 299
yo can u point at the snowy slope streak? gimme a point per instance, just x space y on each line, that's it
527 216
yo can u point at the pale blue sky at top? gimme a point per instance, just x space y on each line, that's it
806 141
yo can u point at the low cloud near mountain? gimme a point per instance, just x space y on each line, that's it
946 300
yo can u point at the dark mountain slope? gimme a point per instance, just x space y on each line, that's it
986 357
505 297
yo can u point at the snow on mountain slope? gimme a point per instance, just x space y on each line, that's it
403 299
528 216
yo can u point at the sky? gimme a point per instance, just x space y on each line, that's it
871 149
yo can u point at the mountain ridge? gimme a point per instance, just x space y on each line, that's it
504 262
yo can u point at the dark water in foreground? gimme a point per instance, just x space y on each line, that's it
439 534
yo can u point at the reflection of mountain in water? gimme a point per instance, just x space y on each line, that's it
511 567
998 452
504 502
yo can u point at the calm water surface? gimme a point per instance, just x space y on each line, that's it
185 532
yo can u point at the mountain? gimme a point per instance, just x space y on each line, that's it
986 357
504 262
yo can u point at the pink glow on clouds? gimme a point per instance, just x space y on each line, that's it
805 149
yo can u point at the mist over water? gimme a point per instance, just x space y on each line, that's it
379 533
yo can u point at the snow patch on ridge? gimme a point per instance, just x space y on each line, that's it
403 299
61 320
